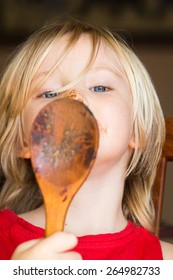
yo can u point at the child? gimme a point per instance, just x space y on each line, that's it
112 215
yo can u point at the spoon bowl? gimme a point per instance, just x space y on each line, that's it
64 142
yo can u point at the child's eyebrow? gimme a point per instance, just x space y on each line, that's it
112 70
41 74
38 77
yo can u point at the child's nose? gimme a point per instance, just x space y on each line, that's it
77 95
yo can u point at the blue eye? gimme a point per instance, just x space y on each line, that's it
50 94
99 89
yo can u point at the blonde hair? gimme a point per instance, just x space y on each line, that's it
20 191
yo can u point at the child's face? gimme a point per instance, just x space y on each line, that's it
104 89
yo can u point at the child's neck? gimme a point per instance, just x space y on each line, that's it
97 206
95 209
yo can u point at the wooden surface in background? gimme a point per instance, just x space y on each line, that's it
159 186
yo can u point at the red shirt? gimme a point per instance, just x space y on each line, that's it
132 243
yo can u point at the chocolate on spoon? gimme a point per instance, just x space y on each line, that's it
64 142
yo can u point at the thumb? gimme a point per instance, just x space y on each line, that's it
59 242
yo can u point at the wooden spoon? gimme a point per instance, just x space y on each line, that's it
64 142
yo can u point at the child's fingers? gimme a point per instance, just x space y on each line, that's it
24 250
70 256
59 242
24 247
57 246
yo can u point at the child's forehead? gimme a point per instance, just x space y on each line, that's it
81 52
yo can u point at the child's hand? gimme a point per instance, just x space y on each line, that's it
54 247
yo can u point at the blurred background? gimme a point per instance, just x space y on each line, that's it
147 25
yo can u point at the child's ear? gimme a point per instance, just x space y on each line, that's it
132 143
24 153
